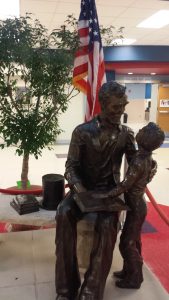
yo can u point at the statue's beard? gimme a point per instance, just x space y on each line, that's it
110 119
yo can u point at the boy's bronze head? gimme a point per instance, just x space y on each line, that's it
150 137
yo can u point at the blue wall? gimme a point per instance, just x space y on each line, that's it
148 91
136 53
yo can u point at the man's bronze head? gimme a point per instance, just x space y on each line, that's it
112 100
109 89
150 137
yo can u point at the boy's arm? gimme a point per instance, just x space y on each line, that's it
133 174
130 148
153 170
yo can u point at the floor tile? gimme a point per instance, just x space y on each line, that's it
45 291
44 255
150 289
16 259
26 292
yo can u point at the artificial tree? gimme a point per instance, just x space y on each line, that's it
35 83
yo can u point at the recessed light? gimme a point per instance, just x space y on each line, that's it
158 20
119 42
129 73
153 73
9 9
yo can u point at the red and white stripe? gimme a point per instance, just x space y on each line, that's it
89 70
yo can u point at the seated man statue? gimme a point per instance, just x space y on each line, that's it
93 164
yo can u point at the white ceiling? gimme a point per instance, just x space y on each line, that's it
127 13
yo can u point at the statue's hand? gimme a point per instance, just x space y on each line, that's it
153 170
96 194
110 195
78 188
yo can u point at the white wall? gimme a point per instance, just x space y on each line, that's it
154 99
135 91
136 111
136 107
71 118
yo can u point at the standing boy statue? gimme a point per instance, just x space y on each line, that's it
138 175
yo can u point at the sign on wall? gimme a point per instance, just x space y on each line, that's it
164 103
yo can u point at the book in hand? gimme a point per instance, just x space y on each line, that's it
25 204
92 201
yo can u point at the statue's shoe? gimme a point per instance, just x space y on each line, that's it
65 297
124 284
120 274
60 297
86 297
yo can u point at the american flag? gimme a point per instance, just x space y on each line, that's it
89 69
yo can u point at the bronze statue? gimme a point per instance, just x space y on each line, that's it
94 161
138 175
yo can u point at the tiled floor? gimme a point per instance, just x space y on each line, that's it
27 270
27 259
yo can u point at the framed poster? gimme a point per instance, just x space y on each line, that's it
164 102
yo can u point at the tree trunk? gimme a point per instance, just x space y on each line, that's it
24 174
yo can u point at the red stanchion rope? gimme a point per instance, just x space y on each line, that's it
14 191
154 203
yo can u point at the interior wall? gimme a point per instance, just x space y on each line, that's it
154 99
71 118
136 107
135 90
136 111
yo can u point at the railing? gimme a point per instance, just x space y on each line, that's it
154 203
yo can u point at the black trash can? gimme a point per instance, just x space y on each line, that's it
53 190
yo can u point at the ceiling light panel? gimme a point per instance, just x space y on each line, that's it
9 9
157 20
